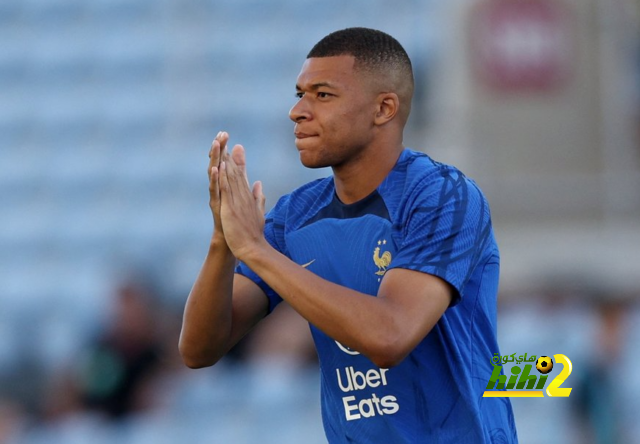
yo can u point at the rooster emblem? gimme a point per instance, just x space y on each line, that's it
382 262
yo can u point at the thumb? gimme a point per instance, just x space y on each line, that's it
259 196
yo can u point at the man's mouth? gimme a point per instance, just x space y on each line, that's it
300 135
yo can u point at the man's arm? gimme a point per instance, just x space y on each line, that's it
383 328
220 308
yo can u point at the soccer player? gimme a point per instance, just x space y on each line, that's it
392 260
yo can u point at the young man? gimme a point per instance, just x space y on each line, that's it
392 260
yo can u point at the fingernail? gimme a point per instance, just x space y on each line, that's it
219 132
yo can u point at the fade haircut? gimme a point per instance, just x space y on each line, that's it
374 52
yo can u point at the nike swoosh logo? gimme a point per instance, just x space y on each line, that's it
308 263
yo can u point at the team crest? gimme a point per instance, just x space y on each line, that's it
381 261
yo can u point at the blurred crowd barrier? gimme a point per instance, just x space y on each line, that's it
107 112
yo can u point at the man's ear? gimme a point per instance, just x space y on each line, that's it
388 105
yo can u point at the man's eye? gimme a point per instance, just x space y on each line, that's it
299 95
323 95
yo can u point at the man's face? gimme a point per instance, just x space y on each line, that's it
334 113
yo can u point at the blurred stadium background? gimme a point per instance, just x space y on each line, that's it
107 111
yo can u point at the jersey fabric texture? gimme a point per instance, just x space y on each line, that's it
428 217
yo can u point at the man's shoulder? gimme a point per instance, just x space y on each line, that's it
420 166
416 173
420 181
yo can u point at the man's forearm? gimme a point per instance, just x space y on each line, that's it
357 320
206 325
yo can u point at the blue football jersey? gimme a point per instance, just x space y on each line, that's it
428 217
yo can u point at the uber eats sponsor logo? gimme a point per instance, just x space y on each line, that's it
499 386
356 405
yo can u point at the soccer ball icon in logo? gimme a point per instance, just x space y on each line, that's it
544 364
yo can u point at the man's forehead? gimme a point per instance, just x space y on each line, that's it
326 70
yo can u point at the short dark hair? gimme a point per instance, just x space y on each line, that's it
372 49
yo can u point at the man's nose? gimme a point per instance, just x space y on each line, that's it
299 111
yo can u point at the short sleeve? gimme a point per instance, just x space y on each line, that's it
446 226
274 234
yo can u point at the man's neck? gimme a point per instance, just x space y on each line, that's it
358 179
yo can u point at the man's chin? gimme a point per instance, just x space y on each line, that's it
312 165
312 162
309 161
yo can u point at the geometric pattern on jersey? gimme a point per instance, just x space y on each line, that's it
428 217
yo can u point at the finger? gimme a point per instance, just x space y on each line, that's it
258 194
237 176
214 156
223 183
238 156
223 137
213 181
214 198
234 154
240 161
214 139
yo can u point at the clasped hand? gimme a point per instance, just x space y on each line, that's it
238 210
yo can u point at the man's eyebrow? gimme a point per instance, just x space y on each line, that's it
316 86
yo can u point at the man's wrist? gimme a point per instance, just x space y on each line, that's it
218 241
253 253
